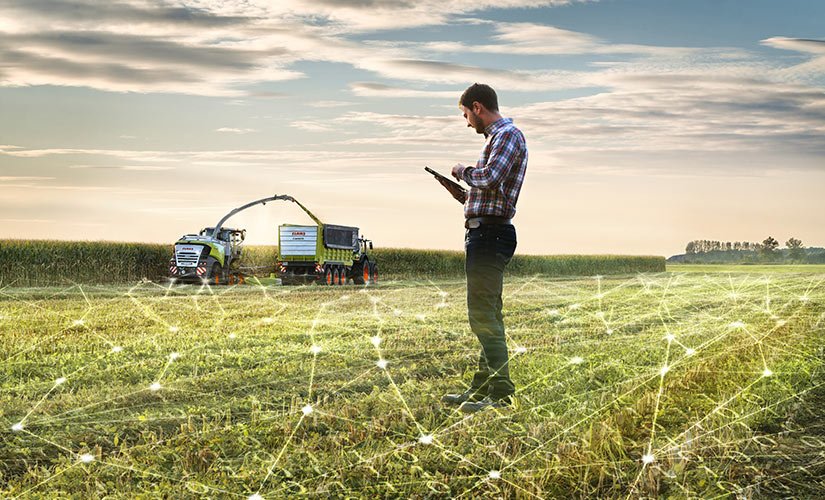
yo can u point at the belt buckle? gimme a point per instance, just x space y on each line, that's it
473 223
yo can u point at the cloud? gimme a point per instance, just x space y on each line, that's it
235 130
331 104
810 46
132 168
376 89
10 178
311 126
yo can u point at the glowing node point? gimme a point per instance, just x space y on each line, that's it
174 355
443 293
267 320
255 497
609 331
375 340
521 350
60 381
344 297
382 363
154 387
374 299
552 312
17 427
664 369
576 360
397 312
315 349
174 329
737 324
804 298
573 307
767 372
690 351
781 322
733 295
669 337
648 459
77 322
426 439
420 317
494 474
87 458
600 314
232 335
306 410
117 348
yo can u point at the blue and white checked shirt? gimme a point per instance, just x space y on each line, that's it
495 181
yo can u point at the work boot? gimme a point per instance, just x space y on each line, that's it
457 399
487 402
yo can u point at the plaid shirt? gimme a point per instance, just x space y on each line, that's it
496 179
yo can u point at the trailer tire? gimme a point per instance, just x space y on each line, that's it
342 275
329 279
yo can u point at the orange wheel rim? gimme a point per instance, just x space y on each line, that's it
366 273
329 278
375 276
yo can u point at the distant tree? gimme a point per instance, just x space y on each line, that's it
767 250
796 252
690 249
728 246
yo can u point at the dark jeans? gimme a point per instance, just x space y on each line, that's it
489 248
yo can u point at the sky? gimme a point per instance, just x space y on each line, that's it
649 123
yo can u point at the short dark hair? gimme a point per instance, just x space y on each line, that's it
481 93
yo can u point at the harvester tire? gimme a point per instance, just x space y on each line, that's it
374 272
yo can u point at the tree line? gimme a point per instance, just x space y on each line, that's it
766 250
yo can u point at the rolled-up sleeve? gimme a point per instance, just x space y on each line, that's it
503 154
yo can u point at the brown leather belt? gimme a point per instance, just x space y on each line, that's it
474 222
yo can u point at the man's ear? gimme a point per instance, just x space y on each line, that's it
478 108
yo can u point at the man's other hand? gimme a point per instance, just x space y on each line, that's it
455 171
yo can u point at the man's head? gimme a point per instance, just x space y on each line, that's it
479 104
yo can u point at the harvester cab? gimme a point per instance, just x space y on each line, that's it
208 256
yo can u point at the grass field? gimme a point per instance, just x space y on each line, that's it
664 385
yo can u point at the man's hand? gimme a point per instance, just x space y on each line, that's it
459 195
455 171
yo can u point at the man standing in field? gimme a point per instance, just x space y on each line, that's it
490 241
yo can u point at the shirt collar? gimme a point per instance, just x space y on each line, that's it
496 125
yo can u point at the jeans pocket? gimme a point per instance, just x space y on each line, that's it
505 243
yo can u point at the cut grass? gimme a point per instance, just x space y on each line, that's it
248 406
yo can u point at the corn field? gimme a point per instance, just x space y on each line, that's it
50 262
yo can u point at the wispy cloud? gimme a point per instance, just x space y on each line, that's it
232 130
11 178
134 168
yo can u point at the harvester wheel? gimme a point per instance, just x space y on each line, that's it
374 272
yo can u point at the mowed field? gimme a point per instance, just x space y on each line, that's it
705 384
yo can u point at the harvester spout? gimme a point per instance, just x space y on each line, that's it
263 202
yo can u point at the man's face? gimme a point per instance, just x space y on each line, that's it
473 119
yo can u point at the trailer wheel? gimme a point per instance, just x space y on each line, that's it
328 277
374 272
342 275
